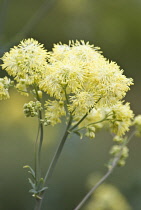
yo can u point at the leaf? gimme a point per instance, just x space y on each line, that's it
33 191
33 175
31 171
32 184
43 189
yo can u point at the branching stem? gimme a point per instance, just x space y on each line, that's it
53 163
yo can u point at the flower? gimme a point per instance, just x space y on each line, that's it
54 110
78 74
79 81
123 152
121 119
80 67
25 62
117 118
137 123
4 86
137 120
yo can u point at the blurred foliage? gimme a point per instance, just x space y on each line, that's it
115 27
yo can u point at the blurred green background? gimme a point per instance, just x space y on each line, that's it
114 26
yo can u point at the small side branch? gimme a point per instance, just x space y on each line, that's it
98 183
112 167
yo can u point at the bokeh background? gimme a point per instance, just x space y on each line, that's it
114 26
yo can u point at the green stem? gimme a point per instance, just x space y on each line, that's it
113 165
40 142
73 127
36 154
91 124
38 159
38 146
97 184
53 162
58 152
38 204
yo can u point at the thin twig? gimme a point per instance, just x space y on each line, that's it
113 165
36 154
73 127
98 184
41 131
41 141
104 119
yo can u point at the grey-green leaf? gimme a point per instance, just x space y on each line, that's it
32 184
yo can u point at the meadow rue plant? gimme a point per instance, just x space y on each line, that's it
82 86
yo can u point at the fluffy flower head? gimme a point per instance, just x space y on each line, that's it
137 124
25 61
80 67
4 85
121 119
54 110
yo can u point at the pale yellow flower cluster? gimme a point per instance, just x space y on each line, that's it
137 123
79 67
117 150
116 118
79 79
121 118
25 63
4 86
54 110
90 81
